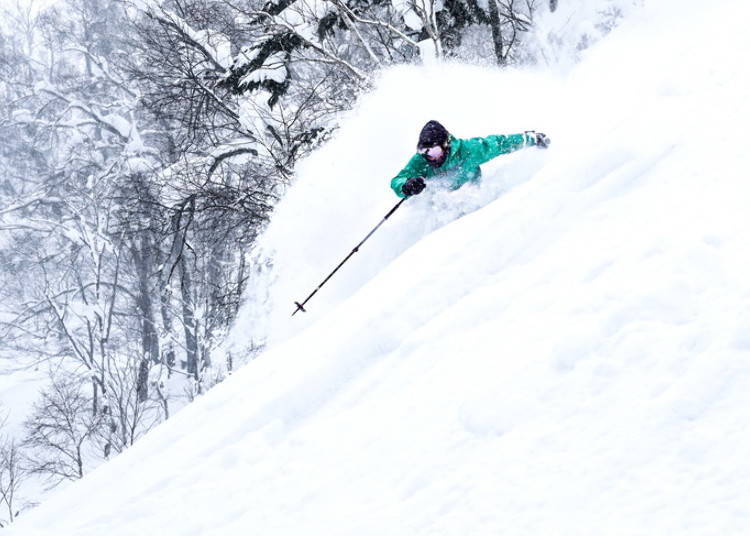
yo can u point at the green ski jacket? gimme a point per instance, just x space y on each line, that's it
462 164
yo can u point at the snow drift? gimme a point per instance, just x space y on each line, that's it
562 350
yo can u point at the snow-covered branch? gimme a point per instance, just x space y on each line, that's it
320 49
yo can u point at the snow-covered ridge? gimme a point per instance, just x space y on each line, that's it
563 350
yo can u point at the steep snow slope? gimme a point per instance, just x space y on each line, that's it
570 358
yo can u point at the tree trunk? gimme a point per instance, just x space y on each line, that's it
497 35
168 353
188 320
149 336
186 293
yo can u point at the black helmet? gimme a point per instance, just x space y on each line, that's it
434 134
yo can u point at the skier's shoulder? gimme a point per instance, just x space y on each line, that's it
459 144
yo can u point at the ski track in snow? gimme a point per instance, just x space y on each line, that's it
569 356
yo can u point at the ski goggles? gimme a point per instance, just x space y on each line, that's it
433 153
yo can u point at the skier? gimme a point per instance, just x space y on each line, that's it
456 161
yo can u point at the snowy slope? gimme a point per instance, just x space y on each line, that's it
571 356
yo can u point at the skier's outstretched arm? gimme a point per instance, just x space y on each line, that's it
482 150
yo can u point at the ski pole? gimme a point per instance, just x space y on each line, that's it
301 306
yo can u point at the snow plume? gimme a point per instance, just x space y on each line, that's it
572 357
343 190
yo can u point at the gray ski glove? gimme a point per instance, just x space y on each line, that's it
541 139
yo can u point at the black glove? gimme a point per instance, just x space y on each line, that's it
541 140
413 186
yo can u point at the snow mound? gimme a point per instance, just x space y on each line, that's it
562 350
